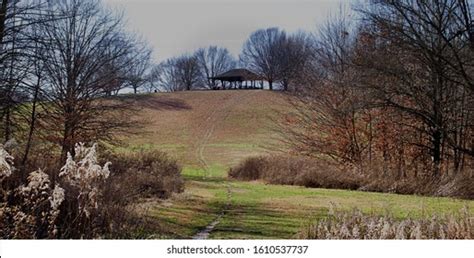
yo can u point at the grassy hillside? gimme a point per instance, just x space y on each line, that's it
221 127
210 131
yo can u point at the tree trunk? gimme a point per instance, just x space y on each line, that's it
285 85
436 152
68 139
32 127
270 84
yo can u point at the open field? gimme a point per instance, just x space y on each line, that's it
208 132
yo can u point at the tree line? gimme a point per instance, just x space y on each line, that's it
390 93
271 53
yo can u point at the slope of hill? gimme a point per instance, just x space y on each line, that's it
218 128
210 131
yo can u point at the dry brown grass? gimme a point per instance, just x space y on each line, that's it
232 125
356 225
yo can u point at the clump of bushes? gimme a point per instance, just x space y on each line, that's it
290 170
84 199
145 174
356 225
135 176
250 169
304 171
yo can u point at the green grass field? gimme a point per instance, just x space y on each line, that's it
208 132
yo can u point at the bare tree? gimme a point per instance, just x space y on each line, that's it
165 76
261 53
212 62
295 56
425 50
139 68
177 74
187 70
35 87
16 43
325 121
116 78
75 49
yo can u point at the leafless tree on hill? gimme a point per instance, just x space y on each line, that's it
178 73
212 62
261 53
165 77
295 56
138 71
187 69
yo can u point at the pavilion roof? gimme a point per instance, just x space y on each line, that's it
240 74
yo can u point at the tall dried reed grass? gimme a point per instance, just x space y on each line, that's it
356 225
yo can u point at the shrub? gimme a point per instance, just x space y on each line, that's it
294 171
145 174
250 169
134 176
356 225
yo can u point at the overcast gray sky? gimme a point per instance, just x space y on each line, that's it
174 27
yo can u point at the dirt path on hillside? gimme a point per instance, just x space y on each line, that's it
219 113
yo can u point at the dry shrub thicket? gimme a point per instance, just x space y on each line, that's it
310 172
147 173
87 200
289 170
356 225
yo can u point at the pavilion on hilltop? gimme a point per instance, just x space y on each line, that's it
238 79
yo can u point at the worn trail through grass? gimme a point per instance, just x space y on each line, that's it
216 115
